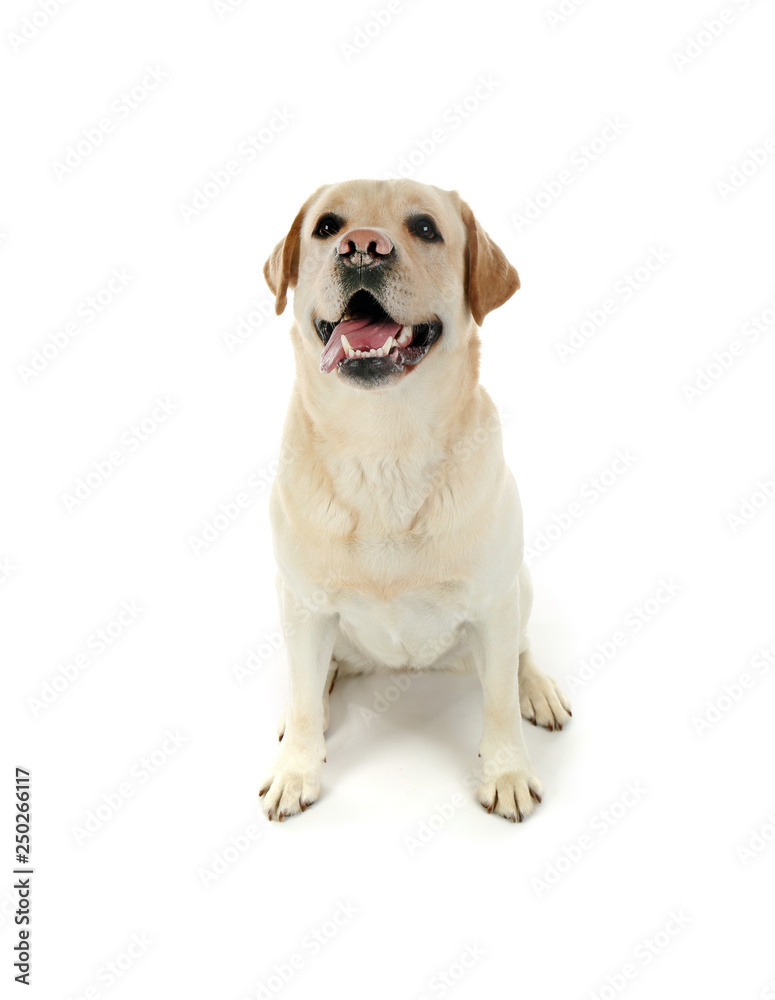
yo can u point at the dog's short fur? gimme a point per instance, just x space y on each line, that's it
397 525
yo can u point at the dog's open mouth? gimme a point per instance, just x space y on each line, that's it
368 341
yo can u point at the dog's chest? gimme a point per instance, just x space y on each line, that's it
383 494
405 548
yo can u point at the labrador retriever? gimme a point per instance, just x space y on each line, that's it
397 525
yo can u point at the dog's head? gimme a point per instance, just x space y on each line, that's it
383 271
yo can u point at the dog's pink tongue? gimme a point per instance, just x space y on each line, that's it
362 335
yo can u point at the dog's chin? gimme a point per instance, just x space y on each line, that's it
378 373
370 373
379 351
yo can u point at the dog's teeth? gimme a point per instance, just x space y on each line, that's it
380 352
351 354
359 354
386 347
405 336
346 345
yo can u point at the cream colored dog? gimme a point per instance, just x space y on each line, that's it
397 525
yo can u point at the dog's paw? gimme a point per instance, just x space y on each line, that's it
512 793
294 782
542 701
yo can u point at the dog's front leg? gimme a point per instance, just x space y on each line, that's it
294 782
510 785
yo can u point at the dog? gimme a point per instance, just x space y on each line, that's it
397 526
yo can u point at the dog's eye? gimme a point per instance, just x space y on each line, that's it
328 225
424 227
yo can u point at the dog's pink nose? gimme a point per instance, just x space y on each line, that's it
371 242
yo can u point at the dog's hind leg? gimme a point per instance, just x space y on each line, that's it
541 699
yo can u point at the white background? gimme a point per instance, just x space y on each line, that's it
703 792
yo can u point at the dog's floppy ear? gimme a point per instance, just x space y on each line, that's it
282 268
491 279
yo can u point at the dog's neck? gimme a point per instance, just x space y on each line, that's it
421 415
377 460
